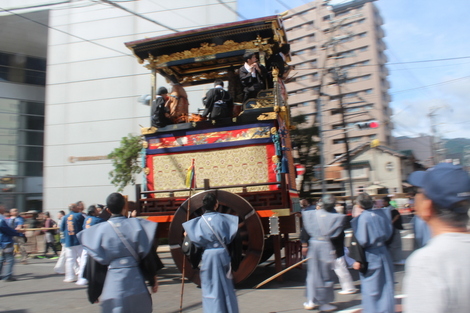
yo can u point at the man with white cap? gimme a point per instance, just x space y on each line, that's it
437 275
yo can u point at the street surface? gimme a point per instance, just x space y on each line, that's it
39 290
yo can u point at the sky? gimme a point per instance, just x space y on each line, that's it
416 31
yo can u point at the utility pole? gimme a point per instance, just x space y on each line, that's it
435 143
340 77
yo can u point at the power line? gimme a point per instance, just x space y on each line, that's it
230 9
64 32
425 86
139 15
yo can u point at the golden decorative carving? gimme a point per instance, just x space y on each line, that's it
275 72
276 109
267 116
207 49
273 131
145 144
146 171
263 103
204 76
148 130
275 159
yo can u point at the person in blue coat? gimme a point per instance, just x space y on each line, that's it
121 257
91 219
213 231
372 228
6 248
321 225
71 225
421 231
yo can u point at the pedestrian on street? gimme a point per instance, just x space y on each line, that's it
214 231
17 222
6 248
91 219
71 225
121 257
437 275
59 267
372 228
321 225
49 234
394 243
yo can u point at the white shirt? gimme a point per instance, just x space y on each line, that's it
437 276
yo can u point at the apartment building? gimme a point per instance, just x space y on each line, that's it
346 38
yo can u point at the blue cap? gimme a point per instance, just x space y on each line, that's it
445 184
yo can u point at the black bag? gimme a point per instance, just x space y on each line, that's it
192 251
356 252
187 245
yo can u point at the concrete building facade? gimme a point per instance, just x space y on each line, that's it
94 83
347 37
23 53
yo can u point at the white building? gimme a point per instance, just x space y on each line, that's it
93 83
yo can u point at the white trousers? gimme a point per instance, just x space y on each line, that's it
343 274
72 267
82 264
59 267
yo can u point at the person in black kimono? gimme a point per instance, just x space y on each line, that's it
218 102
252 76
160 114
278 60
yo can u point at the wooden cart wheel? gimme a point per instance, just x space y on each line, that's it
251 232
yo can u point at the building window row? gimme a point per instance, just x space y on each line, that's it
350 53
307 26
359 78
311 64
311 50
353 94
23 69
307 38
359 108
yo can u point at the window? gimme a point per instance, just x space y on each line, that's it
313 64
361 35
368 91
300 52
311 38
19 68
327 17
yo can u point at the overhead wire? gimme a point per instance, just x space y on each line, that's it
67 33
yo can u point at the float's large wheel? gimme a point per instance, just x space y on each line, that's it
251 232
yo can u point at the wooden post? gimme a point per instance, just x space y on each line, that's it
277 254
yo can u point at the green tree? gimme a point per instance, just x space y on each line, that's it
303 137
126 161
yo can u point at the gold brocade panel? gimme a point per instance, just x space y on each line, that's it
236 166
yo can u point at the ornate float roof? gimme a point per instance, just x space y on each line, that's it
201 55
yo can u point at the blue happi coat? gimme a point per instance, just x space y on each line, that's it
321 227
218 293
372 228
421 230
124 289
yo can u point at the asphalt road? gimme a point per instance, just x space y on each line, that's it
39 290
